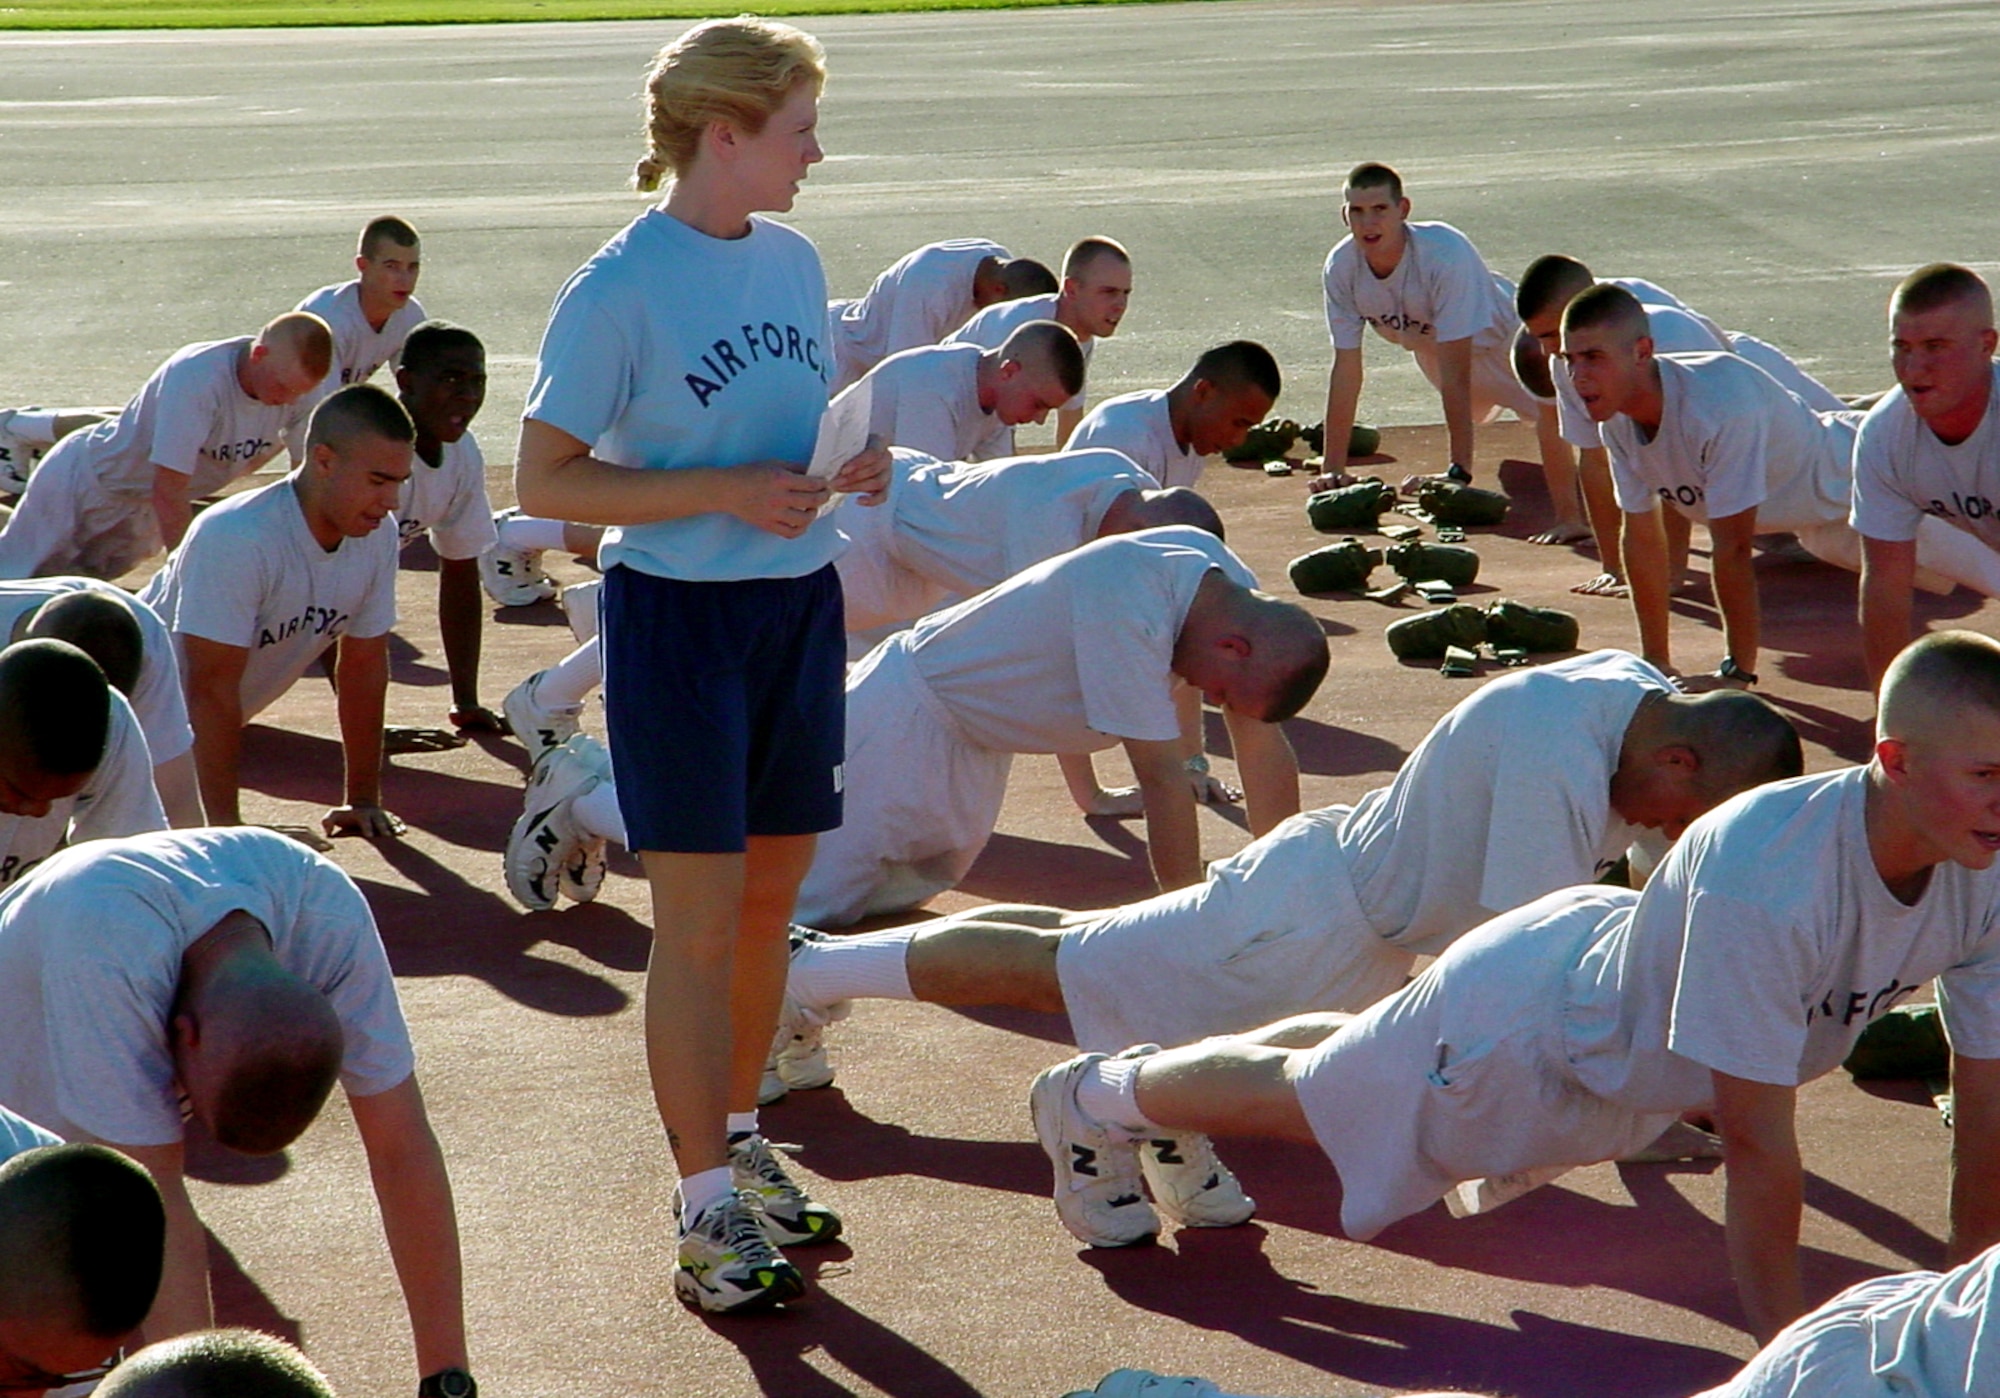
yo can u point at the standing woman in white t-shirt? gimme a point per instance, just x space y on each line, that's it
679 392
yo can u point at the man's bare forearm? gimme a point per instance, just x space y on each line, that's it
461 627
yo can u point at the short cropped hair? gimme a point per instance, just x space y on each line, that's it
1178 504
83 1229
1372 174
306 336
1237 363
102 626
1605 304
359 410
1086 252
1531 366
1548 280
738 71
1938 671
386 229
57 702
1054 344
1301 684
433 338
1940 284
1023 276
217 1364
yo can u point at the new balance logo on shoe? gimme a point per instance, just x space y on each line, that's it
1083 1160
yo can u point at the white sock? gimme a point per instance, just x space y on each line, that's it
597 812
740 1124
569 681
869 967
1108 1095
530 533
34 424
703 1188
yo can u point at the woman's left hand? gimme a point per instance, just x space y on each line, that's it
866 473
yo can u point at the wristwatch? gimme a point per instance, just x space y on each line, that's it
448 1383
1197 766
1730 670
1456 472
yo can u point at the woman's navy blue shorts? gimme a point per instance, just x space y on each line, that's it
725 705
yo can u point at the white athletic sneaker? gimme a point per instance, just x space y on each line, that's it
514 577
581 877
791 1218
547 838
1143 1383
540 727
18 455
1097 1191
798 1052
726 1261
1190 1184
579 604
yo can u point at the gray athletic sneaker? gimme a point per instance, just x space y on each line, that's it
728 1264
791 1218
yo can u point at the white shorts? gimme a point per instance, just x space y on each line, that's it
921 799
879 591
1464 1074
67 523
1493 384
1779 366
1947 557
1274 931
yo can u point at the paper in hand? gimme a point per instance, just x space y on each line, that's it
843 431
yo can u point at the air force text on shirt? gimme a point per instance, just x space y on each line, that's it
1400 323
246 450
1961 507
1862 1005
314 621
768 343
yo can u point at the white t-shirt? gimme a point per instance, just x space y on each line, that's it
156 697
250 574
1675 330
670 349
193 417
1439 850
448 501
1902 472
1440 291
359 349
19 1135
1732 438
1137 425
1766 942
118 800
991 327
927 399
87 1049
1077 652
968 526
918 300
1911 1335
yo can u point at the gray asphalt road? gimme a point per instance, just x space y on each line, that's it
1775 163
